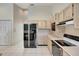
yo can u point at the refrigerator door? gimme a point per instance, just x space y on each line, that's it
32 35
25 35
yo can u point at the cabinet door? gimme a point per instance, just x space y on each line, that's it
48 24
41 24
68 12
53 19
57 18
5 32
61 16
65 53
76 15
50 45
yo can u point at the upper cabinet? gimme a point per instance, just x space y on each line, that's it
68 12
57 18
53 19
41 24
61 16
76 15
44 24
6 11
48 24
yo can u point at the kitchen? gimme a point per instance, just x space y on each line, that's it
56 28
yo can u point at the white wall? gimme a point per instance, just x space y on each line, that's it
70 29
41 38
6 11
18 28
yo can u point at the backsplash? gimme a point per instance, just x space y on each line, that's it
69 29
60 31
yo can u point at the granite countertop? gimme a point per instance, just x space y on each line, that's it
54 37
73 51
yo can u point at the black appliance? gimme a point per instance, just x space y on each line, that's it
53 26
56 50
30 35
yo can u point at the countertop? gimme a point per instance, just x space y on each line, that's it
54 37
71 51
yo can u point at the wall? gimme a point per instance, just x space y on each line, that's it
41 38
6 11
18 28
6 15
60 31
69 29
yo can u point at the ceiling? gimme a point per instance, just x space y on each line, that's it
42 11
27 5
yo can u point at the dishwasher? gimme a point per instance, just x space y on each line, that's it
56 50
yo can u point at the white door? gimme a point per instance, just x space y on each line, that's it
5 32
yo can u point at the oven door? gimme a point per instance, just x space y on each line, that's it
56 50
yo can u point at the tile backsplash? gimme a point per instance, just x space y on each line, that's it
70 29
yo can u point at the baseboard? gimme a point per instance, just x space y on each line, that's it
42 45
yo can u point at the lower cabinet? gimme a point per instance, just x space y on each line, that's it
65 53
50 46
76 15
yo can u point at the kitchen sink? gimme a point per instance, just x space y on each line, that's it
64 43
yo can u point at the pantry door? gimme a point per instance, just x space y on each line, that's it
5 32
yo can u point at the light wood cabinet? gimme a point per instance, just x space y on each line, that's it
61 16
53 19
68 12
48 24
76 15
50 45
41 24
44 24
57 18
65 53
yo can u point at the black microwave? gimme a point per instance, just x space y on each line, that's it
53 26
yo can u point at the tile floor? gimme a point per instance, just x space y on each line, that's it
39 51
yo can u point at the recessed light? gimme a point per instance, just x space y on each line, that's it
31 4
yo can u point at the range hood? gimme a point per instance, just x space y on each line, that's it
68 22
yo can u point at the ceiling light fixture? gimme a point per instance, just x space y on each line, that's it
31 4
23 12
